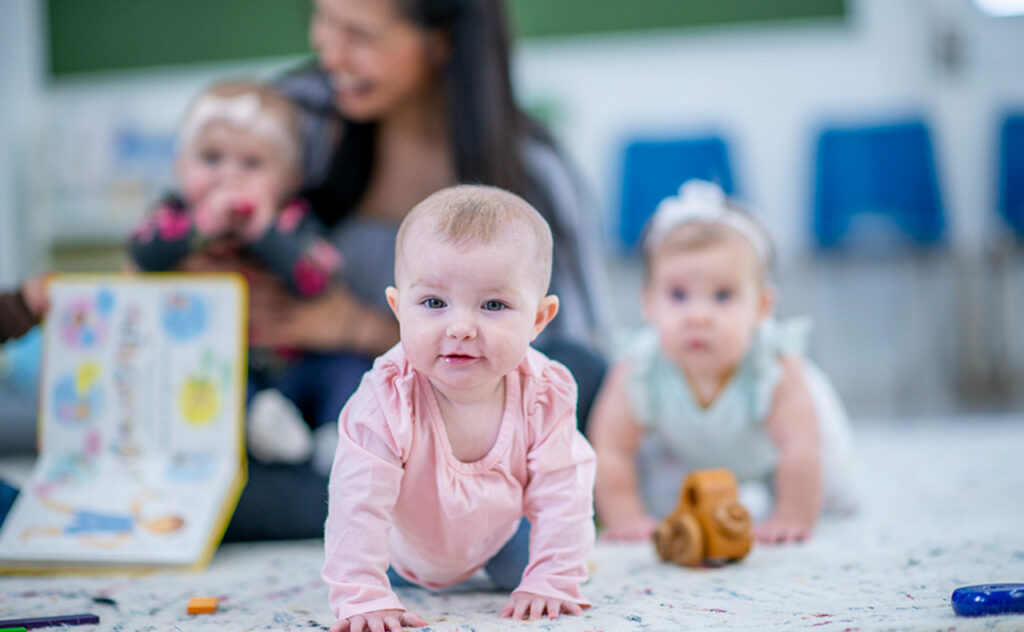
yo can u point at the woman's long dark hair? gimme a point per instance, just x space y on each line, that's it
486 126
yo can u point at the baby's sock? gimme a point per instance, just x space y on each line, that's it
276 432
325 442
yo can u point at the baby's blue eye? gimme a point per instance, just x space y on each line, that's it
210 157
252 163
433 303
677 295
494 306
723 296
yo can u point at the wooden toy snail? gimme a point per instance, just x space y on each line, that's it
709 524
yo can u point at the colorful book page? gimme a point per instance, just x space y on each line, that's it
141 405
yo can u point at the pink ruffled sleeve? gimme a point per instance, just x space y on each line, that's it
374 437
559 493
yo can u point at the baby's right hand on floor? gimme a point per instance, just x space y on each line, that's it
638 529
379 621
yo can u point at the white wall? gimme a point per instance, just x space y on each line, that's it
85 179
20 77
767 88
899 335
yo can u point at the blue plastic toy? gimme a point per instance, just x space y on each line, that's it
984 599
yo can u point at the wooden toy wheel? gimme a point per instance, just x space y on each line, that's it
732 520
678 539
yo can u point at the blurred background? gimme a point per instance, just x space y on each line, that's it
881 141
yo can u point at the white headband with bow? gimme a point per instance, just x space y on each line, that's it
242 112
703 202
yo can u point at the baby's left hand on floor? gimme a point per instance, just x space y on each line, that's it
781 530
528 605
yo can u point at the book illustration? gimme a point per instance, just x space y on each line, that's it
128 362
190 466
200 400
77 397
83 320
203 391
70 467
141 455
101 528
74 465
184 316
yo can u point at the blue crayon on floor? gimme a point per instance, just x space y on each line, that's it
986 599
49 622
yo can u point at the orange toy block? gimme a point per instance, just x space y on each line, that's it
202 605
708 524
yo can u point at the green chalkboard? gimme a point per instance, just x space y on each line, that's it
96 35
541 18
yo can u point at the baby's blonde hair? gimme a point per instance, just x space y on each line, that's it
265 113
478 214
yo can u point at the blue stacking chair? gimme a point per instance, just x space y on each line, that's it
654 169
1011 173
887 170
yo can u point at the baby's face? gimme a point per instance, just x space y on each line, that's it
706 305
224 156
467 312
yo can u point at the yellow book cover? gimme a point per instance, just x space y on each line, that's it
142 396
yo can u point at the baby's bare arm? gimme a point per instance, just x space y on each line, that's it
793 427
616 438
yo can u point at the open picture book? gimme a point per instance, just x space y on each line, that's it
141 451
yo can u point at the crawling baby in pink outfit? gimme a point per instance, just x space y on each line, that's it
459 451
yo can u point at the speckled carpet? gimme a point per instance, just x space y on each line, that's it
944 508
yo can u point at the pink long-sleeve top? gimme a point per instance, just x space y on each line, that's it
399 495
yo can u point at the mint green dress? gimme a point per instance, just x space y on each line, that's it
682 435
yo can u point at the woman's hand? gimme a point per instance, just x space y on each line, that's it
33 292
278 319
379 621
219 257
334 321
523 605
329 322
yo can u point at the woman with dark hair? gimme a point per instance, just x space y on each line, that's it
410 96
407 97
